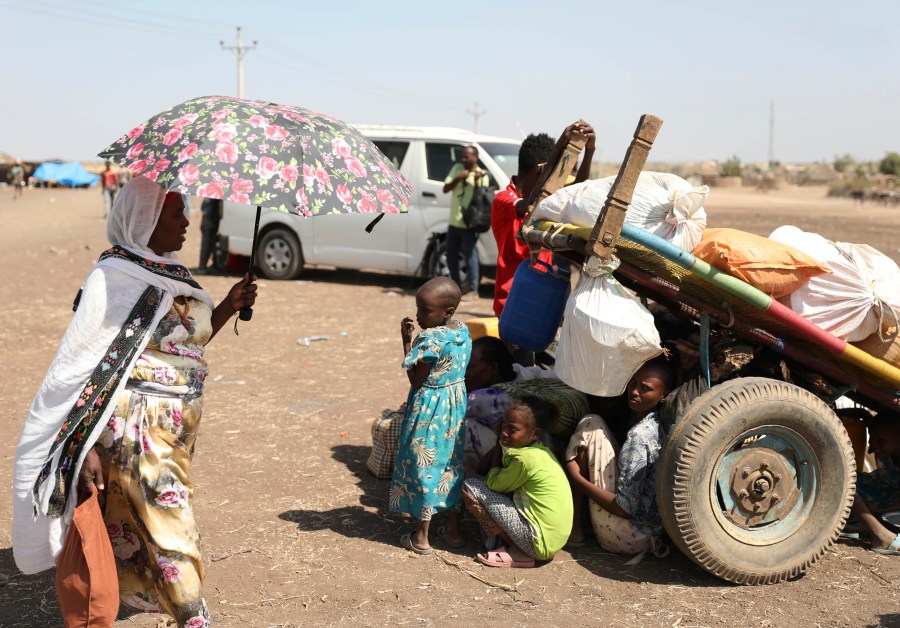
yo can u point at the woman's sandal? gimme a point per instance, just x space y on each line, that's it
406 543
891 550
501 558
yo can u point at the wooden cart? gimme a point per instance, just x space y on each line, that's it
757 476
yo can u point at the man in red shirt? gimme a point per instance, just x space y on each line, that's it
108 185
510 205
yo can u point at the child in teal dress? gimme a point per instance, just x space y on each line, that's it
428 473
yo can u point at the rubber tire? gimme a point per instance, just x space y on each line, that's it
287 246
663 466
684 473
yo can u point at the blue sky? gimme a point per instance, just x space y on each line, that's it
87 71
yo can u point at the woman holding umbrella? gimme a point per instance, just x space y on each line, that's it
119 409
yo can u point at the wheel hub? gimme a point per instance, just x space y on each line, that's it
760 486
278 255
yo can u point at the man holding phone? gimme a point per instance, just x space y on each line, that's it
462 180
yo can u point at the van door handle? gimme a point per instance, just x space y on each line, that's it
429 195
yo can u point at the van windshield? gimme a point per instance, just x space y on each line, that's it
505 154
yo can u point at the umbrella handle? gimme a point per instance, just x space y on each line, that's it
246 313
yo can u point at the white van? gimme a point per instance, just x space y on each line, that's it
410 243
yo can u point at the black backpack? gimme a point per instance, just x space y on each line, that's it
477 214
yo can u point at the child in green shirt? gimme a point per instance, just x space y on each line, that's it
525 498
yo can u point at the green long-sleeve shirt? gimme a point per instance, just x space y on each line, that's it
541 494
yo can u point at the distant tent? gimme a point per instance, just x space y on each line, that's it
70 174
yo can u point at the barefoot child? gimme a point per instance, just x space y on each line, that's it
621 483
525 498
428 473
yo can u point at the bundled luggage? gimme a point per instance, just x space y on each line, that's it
607 334
663 204
859 298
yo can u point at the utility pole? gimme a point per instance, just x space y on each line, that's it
476 114
771 134
240 49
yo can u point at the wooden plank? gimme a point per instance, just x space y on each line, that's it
609 223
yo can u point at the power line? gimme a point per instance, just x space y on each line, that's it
351 81
103 14
69 12
327 77
130 10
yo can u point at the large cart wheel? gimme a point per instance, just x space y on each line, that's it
756 481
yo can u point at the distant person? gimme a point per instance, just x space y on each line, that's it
524 504
17 179
109 182
211 208
428 472
464 177
123 178
510 205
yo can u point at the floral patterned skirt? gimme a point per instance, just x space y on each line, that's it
146 453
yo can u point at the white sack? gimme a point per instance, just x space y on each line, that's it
607 334
850 301
663 204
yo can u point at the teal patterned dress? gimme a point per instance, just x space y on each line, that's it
428 474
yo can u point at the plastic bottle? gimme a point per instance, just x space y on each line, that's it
308 339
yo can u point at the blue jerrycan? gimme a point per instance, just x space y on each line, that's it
535 306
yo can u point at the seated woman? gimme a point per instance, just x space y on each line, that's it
621 483
878 492
524 498
492 379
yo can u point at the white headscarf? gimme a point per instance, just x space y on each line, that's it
134 215
132 220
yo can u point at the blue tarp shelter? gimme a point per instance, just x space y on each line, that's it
70 174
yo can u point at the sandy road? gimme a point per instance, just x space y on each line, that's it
296 531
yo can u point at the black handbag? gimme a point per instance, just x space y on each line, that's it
477 214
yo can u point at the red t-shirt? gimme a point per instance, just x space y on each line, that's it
505 224
109 179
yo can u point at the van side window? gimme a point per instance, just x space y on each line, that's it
439 158
394 151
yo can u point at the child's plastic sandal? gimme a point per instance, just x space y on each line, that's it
501 558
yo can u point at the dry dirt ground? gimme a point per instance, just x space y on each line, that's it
295 530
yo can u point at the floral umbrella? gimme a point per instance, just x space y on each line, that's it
264 154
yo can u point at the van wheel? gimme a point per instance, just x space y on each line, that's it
278 255
438 263
756 482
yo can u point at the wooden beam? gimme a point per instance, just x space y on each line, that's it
609 223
